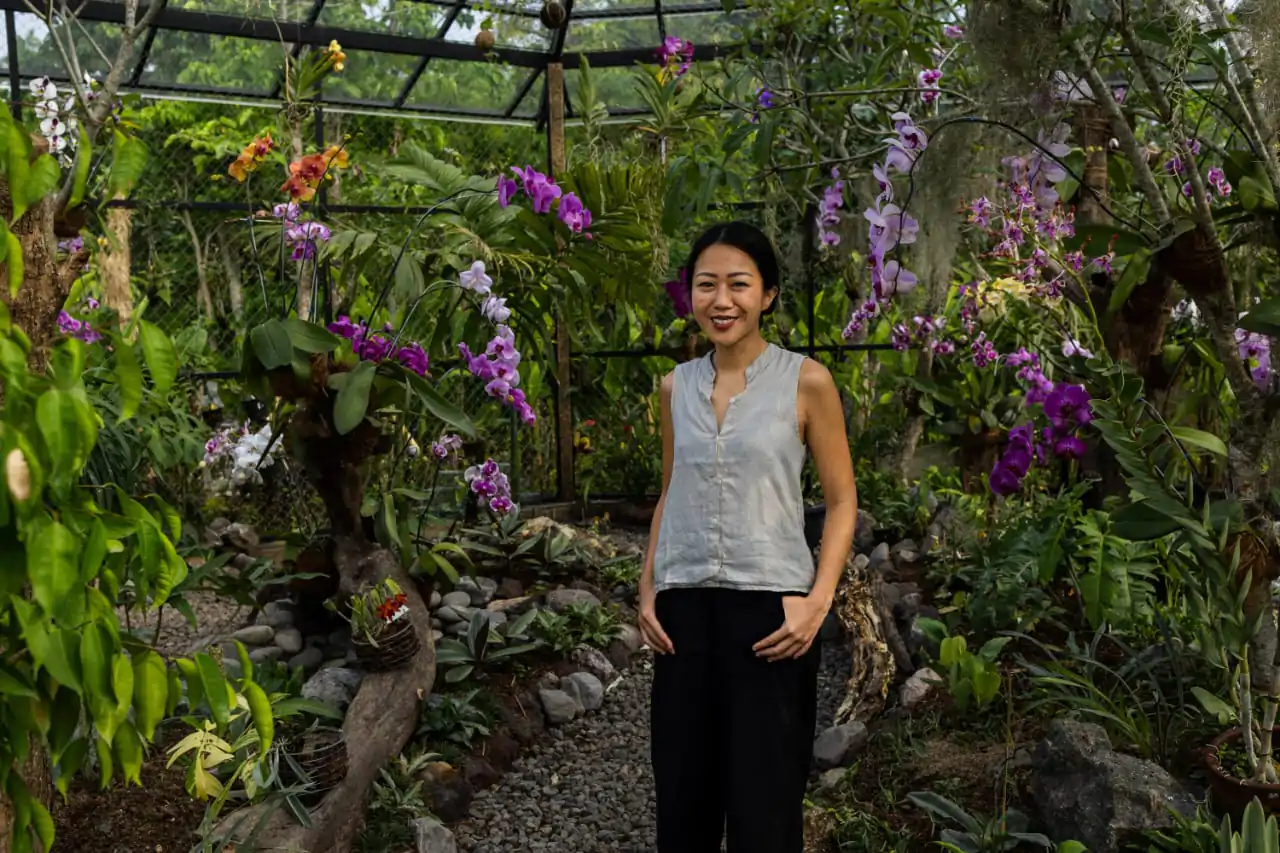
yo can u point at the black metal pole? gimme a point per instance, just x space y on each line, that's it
15 77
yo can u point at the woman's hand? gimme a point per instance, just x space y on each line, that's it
650 628
804 616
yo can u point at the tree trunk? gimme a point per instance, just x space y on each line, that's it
45 286
203 297
116 265
384 714
235 279
35 771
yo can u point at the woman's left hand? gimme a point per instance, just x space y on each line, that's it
804 616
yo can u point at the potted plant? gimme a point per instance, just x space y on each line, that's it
382 631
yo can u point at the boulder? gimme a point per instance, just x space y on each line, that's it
838 746
480 589
334 686
917 688
432 836
457 598
289 639
446 791
595 662
559 706
585 689
1086 791
864 534
255 635
879 558
560 600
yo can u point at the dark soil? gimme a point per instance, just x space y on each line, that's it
869 811
160 817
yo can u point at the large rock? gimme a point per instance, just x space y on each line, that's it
585 689
457 598
917 688
255 635
334 686
879 559
595 662
838 746
432 836
480 589
559 706
1086 791
560 600
446 790
289 639
864 534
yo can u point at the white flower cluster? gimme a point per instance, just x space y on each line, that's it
58 121
238 455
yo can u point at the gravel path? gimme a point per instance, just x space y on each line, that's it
587 787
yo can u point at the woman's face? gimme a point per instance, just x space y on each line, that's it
728 294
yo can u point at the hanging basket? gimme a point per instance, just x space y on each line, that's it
395 648
322 754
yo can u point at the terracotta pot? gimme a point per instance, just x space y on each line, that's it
1230 794
394 649
322 755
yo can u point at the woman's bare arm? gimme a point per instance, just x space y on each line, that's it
649 627
828 441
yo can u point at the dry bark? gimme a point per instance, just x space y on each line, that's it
116 264
859 610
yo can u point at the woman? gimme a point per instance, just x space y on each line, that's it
729 597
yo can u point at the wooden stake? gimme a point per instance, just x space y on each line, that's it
564 409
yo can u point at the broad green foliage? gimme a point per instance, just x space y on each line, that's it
71 678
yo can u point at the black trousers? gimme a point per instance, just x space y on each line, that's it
732 734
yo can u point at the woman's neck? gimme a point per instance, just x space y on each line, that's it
735 358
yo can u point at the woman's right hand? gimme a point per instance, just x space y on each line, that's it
650 627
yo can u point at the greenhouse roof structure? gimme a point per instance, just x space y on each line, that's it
404 56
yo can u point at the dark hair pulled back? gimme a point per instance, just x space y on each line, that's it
747 239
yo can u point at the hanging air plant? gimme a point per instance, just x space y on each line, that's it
553 14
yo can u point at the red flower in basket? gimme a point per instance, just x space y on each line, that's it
387 610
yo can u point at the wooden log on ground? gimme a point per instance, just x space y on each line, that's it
859 610
381 720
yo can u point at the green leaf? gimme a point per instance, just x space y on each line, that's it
1263 318
352 403
309 337
18 161
1099 239
128 373
260 710
1142 522
271 345
938 806
1135 273
67 426
1201 439
150 692
215 688
1224 711
53 566
95 551
128 750
162 359
96 656
13 262
128 160
80 178
439 406
14 683
42 179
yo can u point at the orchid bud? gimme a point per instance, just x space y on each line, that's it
18 475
